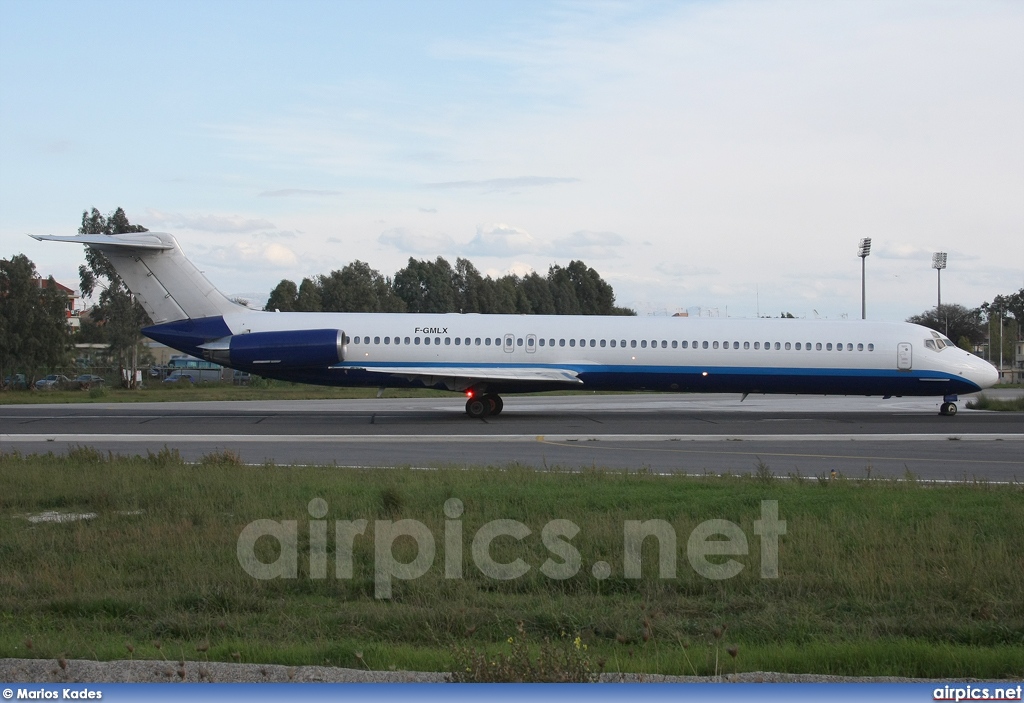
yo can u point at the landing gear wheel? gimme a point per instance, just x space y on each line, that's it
948 409
495 402
478 407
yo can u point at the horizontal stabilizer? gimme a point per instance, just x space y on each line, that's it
139 240
435 374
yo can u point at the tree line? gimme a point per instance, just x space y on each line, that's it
438 287
996 322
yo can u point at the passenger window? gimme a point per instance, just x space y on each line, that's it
828 347
572 342
643 343
685 344
735 345
387 340
860 347
798 346
613 343
551 342
787 346
757 345
767 346
871 347
447 341
746 345
561 342
426 340
632 343
416 340
437 340
458 341
675 344
849 346
818 346
477 341
808 345
376 340
529 341
839 347
715 345
593 342
541 340
664 344
622 343
408 341
519 342
704 345
777 346
487 341
604 343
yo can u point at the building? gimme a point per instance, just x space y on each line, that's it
72 309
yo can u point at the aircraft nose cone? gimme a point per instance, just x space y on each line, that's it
984 374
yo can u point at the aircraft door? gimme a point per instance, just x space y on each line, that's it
531 343
510 343
904 356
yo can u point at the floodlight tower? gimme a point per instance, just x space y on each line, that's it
939 263
862 252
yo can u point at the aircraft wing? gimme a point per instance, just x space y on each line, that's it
434 374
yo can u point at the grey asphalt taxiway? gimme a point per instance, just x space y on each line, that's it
690 434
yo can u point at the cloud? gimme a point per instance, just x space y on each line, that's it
235 224
335 240
429 210
679 271
252 254
599 245
518 268
291 192
409 241
501 240
503 184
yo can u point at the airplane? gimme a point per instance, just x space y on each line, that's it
485 356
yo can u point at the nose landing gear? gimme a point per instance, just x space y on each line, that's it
948 406
480 406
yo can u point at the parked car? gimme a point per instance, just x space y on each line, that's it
87 381
15 381
178 376
53 382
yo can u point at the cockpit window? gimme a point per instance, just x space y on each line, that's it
938 343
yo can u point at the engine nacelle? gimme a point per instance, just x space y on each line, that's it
292 349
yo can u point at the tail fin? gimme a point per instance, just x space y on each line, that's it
168 285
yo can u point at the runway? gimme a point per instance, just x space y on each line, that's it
691 434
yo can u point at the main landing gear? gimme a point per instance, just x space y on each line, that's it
948 406
479 406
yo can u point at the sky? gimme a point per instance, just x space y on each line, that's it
721 157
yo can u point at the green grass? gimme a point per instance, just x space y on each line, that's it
984 402
876 577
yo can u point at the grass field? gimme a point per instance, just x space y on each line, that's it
875 577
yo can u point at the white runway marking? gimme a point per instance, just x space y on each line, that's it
448 439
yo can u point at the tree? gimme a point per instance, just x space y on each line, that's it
284 297
117 309
954 321
358 288
427 286
1004 315
34 333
